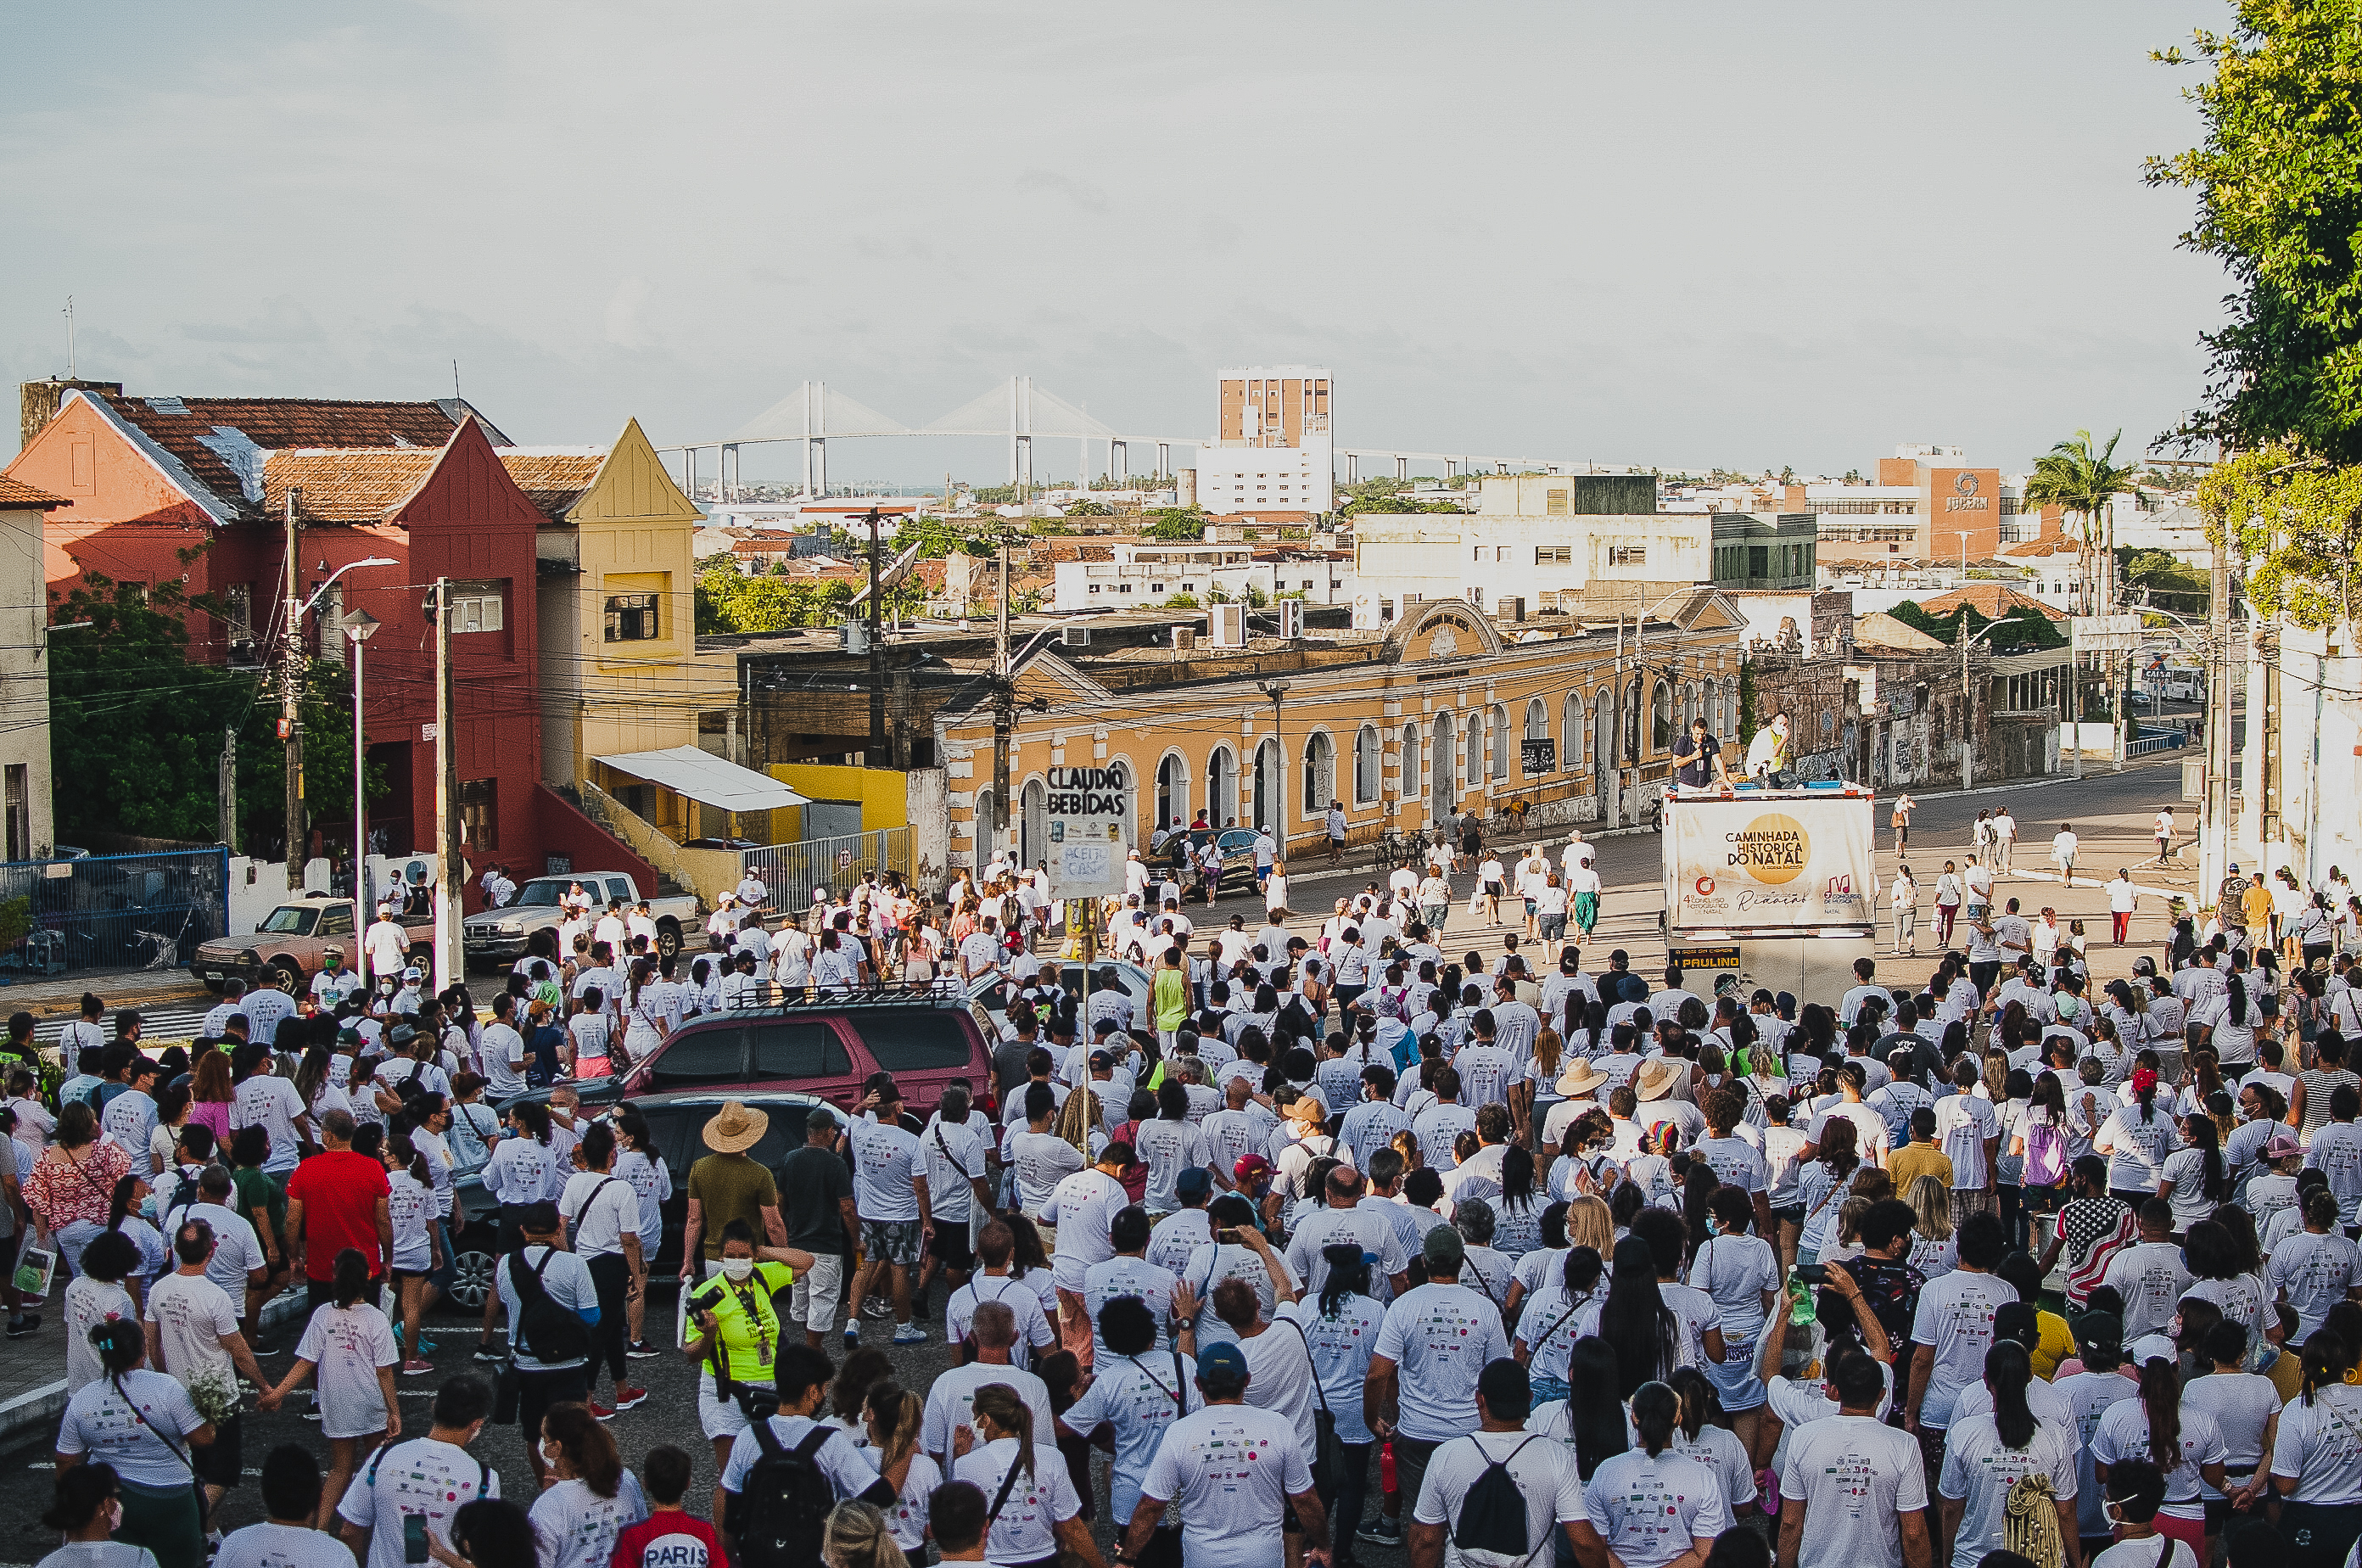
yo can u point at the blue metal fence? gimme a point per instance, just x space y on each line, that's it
116 912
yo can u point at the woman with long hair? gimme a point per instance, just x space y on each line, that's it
1935 1245
210 1093
1589 1419
1821 1182
71 1188
1700 1434
1985 1455
349 1343
893 1415
2136 1137
644 1018
1549 1325
1650 1506
591 1498
1633 1316
143 1424
2313 1466
2182 1441
2196 1178
1340 1332
123 1218
862 1535
1518 1211
1044 1512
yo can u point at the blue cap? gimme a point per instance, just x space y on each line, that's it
1194 1181
1223 1357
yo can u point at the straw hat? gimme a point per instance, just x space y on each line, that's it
1580 1077
1655 1080
736 1129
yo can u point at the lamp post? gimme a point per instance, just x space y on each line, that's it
1968 696
291 723
1276 689
361 626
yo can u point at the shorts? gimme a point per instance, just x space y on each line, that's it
220 1465
950 1246
1734 1377
892 1241
813 1298
318 1292
1492 889
537 1391
718 1416
1789 1214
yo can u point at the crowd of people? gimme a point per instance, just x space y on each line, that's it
1328 1237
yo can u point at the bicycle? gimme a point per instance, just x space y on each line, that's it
1397 849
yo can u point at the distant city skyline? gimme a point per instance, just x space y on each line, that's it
1730 234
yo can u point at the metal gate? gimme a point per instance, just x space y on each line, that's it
116 912
794 871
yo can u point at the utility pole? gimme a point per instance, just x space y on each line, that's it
447 799
1004 709
230 789
291 707
878 753
2214 824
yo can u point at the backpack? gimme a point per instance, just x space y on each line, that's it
2046 1154
781 1513
546 1332
1491 1529
2030 1522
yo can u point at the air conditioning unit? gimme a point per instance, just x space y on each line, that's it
1291 618
1229 626
1513 608
244 654
1075 636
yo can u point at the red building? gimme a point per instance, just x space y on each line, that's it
197 491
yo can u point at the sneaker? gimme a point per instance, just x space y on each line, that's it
417 1368
486 1351
877 1307
639 1349
1377 1533
851 1336
909 1335
628 1396
30 1323
600 1412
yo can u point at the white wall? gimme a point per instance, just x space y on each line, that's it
1272 478
257 887
1488 557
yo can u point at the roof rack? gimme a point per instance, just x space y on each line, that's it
937 993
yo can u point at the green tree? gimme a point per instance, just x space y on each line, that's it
728 601
1182 601
2081 482
1174 526
2278 186
2296 523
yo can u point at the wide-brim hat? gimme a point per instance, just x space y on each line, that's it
1654 1080
1580 1077
736 1129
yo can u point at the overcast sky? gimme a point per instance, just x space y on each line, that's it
1738 234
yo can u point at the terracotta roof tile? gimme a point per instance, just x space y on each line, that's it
1990 600
216 437
552 480
364 484
17 494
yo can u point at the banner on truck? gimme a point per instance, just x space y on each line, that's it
1086 807
1787 862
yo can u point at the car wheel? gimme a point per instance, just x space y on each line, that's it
291 975
668 938
471 1277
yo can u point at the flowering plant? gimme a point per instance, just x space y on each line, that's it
214 1393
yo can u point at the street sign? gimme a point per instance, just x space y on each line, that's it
1086 811
2106 633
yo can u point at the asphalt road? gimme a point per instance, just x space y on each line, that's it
2110 810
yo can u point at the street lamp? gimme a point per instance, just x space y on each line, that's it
1968 695
361 626
1276 689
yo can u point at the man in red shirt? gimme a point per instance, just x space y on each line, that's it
338 1199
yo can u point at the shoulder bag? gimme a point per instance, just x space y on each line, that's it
1164 1548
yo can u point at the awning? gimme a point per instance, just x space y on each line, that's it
703 777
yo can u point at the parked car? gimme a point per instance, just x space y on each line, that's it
676 1122
291 941
499 935
1132 978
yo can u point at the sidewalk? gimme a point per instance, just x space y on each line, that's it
62 995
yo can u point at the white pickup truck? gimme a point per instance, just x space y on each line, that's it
501 935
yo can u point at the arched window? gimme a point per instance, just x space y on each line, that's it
1410 762
1320 774
1267 789
1500 741
1172 792
1630 714
982 827
1032 823
1474 773
1660 718
1570 746
1537 725
1222 786
1365 765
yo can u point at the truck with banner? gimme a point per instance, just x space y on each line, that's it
1770 889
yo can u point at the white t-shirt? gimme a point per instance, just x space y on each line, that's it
952 1395
421 1476
601 1207
1855 1475
348 1345
272 1104
503 1056
848 1467
270 1545
1233 1467
884 1160
100 1424
191 1314
88 1303
576 1528
1026 1531
2142 1554
1651 1511
1139 1397
2123 1434
1955 1317
1544 1470
1439 1337
2319 1446
1981 1472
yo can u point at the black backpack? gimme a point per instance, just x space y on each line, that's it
781 1513
1493 1515
546 1332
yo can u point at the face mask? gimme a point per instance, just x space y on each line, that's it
737 1270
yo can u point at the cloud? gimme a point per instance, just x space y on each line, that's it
1085 195
279 321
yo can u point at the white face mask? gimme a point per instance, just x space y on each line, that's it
737 1270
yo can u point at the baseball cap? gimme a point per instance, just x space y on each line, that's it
1443 1249
2151 1347
2100 1329
1251 1167
1194 1182
1224 1357
1102 1059
414 973
2281 1147
1508 1392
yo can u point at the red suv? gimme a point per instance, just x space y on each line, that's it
825 1049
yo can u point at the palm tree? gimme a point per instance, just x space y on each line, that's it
2080 483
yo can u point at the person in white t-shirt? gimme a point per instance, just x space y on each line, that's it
350 1345
1650 1506
1235 1469
1543 1471
1986 1456
1859 1485
890 1199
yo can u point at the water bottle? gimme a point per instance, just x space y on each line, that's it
1801 1310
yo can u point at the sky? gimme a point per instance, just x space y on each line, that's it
1681 236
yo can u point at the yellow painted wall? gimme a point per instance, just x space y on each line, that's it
884 795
